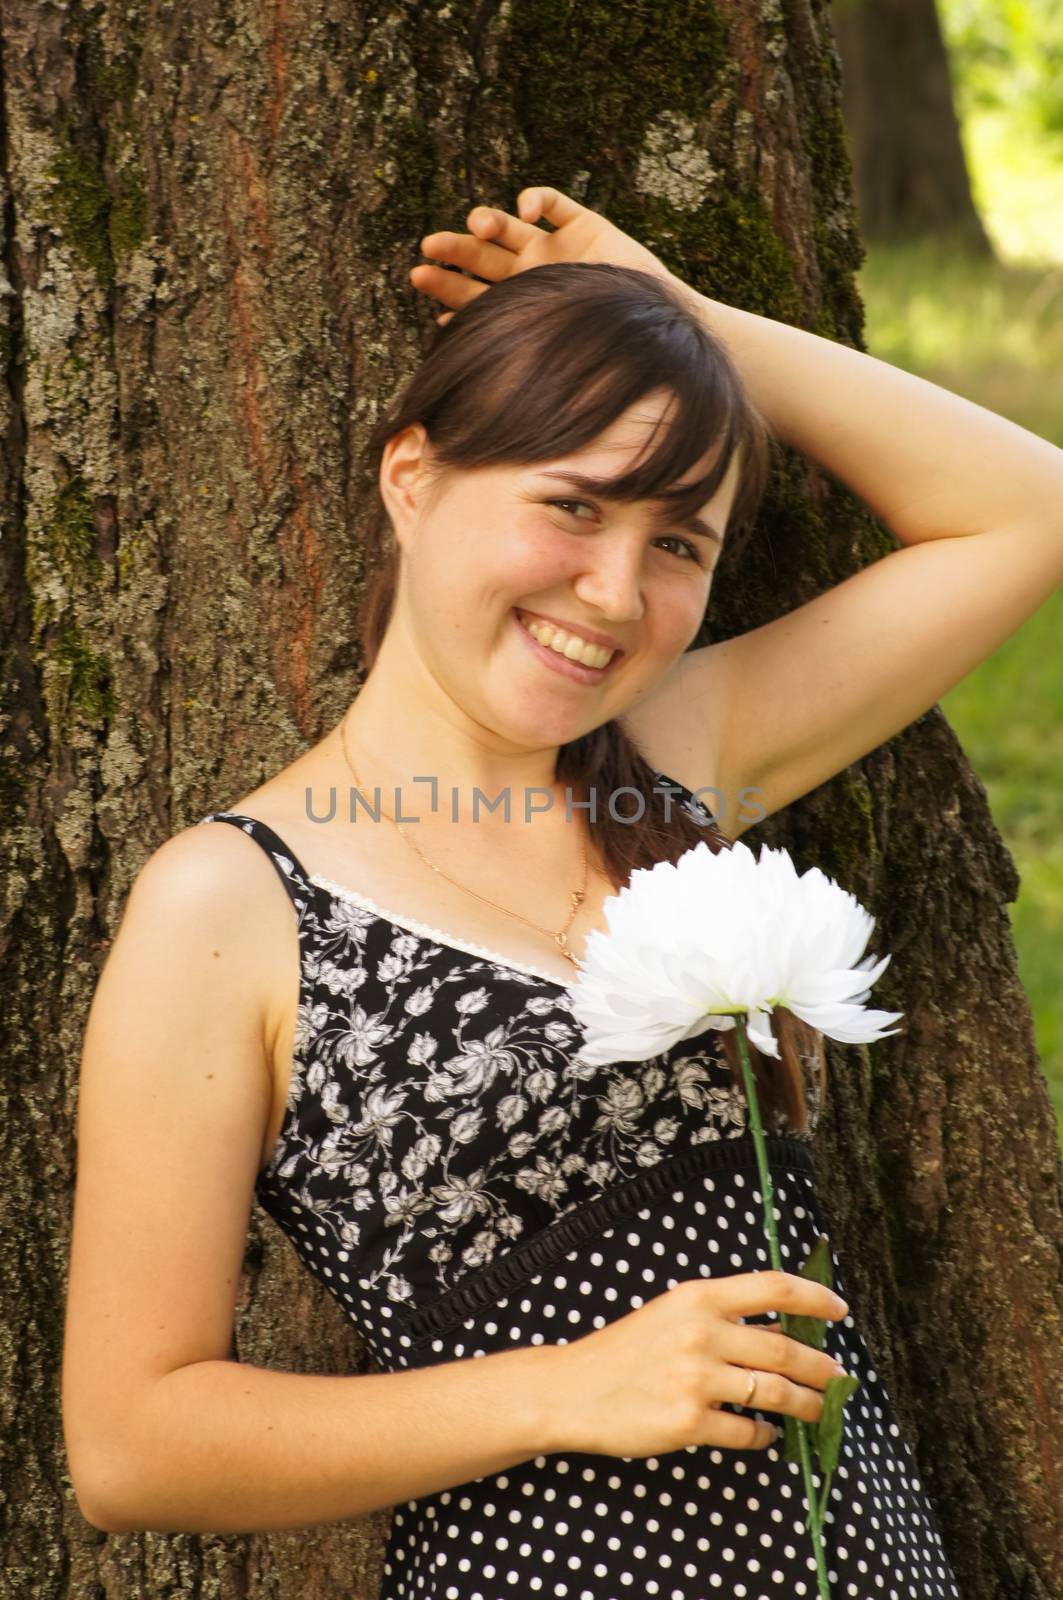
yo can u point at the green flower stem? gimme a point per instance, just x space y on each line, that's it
815 1512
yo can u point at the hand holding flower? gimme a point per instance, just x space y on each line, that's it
654 1380
718 940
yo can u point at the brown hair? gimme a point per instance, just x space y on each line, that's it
537 367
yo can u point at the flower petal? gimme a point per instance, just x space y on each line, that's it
692 942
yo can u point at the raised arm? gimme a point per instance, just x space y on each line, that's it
929 463
975 501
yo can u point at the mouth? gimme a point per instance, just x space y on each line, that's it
576 670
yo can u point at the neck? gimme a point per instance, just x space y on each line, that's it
393 739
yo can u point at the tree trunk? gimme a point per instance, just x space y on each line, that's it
909 167
209 214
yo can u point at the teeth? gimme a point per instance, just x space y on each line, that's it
568 644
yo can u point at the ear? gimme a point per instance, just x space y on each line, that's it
405 476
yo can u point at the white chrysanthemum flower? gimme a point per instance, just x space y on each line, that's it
692 944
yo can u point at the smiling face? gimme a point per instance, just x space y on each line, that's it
489 552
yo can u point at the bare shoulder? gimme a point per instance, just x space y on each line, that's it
212 887
204 864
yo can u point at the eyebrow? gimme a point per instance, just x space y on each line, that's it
598 487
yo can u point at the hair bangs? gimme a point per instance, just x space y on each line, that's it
589 363
544 362
697 417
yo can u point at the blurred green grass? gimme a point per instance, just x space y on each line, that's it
993 332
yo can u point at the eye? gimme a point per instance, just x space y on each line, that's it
570 503
692 551
672 538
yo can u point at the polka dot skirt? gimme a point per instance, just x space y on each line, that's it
463 1183
693 1522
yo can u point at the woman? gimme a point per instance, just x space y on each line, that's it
394 1071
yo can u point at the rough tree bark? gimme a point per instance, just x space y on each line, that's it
209 213
909 168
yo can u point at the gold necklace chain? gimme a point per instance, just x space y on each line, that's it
577 896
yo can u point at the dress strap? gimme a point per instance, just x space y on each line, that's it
694 808
290 869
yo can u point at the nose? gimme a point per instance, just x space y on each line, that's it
610 582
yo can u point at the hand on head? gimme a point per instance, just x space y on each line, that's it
499 244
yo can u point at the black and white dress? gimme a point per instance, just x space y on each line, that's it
463 1184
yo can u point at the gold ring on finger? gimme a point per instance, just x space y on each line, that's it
748 1401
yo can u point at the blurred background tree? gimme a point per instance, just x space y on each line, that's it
1007 72
910 175
962 214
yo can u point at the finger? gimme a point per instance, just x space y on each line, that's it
556 207
773 1392
451 288
737 1433
466 251
772 1351
488 222
752 1294
735 1380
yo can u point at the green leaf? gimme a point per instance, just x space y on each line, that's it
828 1439
824 1436
817 1268
827 1432
818 1265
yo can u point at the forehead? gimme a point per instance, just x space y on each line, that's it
632 433
629 438
632 436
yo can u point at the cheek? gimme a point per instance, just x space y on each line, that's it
527 564
441 597
467 574
681 613
535 545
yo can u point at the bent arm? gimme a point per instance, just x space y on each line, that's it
163 1431
929 463
218 1447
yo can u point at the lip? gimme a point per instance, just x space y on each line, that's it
589 634
574 670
